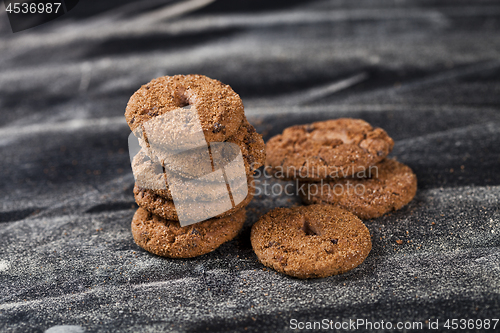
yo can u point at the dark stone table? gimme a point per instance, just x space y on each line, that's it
427 72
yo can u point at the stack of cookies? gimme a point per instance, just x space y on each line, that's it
193 166
342 162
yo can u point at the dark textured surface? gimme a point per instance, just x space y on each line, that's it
428 72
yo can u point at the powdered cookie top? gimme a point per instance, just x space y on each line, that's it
389 186
327 149
219 108
310 241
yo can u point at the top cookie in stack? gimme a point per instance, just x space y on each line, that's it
342 162
196 148
219 108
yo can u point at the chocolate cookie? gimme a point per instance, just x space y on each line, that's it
310 241
252 146
195 162
197 191
165 208
219 108
388 186
150 175
167 238
327 149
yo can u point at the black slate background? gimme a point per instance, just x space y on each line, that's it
426 71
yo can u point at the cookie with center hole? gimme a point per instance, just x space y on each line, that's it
218 110
310 241
337 148
168 239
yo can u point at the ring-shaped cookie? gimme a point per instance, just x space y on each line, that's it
310 241
219 108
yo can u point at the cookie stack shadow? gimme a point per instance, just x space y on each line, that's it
192 201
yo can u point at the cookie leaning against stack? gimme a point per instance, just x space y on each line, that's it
155 225
342 162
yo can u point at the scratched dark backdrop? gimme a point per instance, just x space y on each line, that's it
426 71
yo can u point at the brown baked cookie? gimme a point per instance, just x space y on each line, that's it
388 186
195 163
165 208
252 146
150 175
219 108
196 191
167 238
310 241
327 149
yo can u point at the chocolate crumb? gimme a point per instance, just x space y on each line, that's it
270 244
217 127
250 159
250 141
